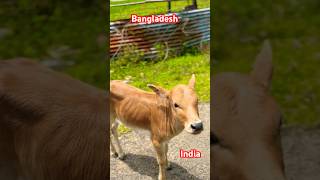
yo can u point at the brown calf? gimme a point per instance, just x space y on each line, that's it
51 126
164 113
245 129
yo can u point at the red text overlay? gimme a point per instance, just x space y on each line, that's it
193 153
155 19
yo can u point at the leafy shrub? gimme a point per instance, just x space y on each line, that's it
129 54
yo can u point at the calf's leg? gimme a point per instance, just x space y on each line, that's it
166 155
113 150
114 132
161 158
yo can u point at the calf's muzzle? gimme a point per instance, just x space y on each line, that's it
197 127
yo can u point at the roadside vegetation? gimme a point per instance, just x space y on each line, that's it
293 28
168 73
68 34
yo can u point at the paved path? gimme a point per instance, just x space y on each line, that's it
301 149
141 163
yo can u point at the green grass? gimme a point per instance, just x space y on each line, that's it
293 28
122 129
124 12
35 34
168 73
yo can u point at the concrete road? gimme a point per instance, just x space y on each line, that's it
141 163
301 148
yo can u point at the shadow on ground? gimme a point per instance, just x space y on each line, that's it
141 163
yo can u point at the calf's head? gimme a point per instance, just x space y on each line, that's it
245 130
183 103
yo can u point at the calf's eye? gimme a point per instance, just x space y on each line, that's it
176 105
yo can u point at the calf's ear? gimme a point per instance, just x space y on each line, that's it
192 81
263 68
158 90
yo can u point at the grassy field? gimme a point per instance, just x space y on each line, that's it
75 36
168 73
293 28
124 12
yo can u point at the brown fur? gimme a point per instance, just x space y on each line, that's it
245 132
51 126
154 112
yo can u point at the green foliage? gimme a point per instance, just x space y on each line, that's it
204 47
162 51
94 72
293 28
122 129
129 54
168 73
62 34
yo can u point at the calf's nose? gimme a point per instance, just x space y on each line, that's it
197 126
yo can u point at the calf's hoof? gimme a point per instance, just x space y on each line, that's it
115 155
122 157
169 167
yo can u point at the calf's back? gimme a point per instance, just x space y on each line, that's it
54 127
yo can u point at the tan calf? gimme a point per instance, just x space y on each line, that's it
164 113
245 129
52 127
